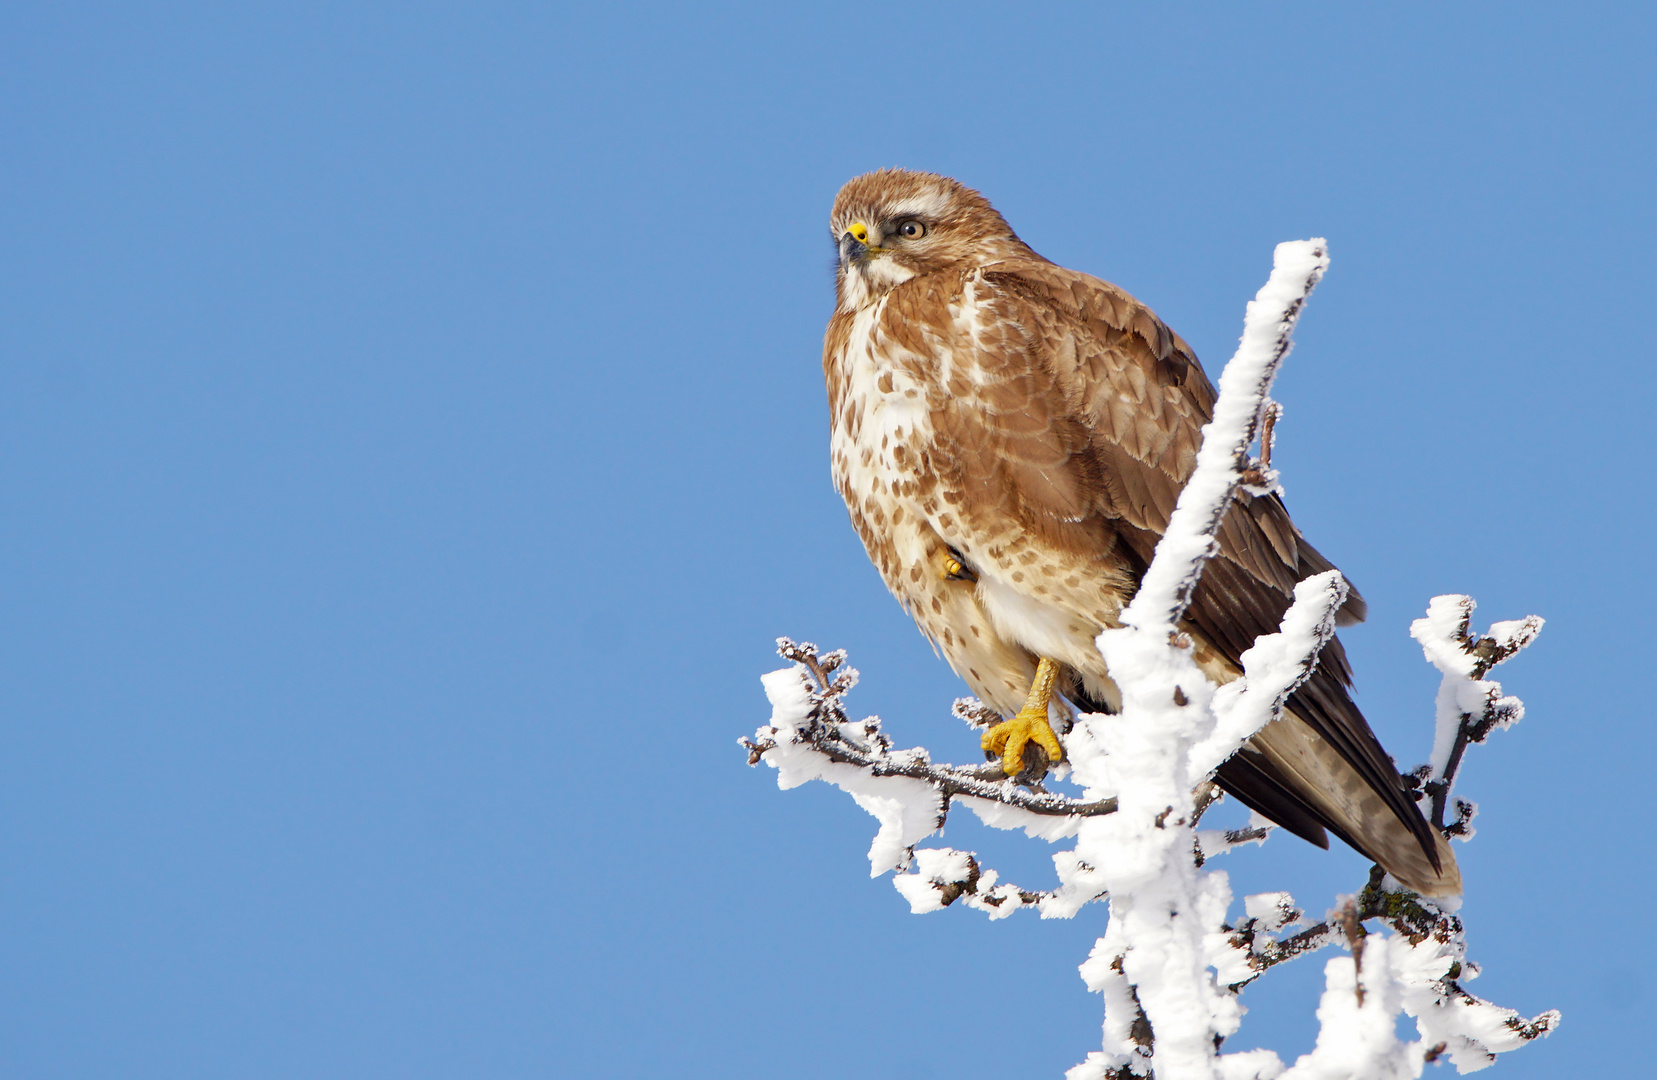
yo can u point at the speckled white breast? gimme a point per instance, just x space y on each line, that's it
884 417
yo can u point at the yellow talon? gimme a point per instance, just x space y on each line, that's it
955 568
1009 738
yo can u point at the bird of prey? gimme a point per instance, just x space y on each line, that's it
1010 438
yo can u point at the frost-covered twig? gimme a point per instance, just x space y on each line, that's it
829 733
1469 707
809 737
1417 970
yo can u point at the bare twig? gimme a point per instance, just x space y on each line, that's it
1258 478
1352 929
1268 427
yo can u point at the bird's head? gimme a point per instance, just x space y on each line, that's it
893 225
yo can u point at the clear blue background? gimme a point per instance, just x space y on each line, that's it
412 439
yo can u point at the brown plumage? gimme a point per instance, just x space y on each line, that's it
1010 438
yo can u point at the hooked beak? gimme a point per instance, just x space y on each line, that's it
852 249
854 244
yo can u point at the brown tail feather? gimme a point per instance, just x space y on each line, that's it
1252 779
1349 806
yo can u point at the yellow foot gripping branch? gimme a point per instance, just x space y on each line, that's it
1009 738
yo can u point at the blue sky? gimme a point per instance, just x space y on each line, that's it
412 439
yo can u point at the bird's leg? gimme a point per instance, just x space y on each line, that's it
1009 737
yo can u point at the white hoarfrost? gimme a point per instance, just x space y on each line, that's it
1169 965
908 810
1469 707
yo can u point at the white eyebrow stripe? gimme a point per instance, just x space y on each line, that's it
932 204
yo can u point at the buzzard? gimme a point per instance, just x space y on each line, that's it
1010 438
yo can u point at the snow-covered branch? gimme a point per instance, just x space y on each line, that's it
1222 461
1169 964
1173 730
1469 706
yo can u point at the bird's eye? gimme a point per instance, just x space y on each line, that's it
911 230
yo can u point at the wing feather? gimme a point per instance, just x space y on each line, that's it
1141 399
